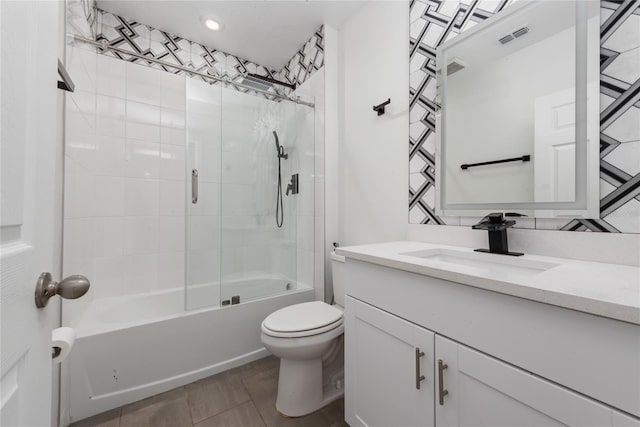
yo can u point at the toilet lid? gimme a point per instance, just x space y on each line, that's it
302 317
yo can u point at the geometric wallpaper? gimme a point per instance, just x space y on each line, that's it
435 21
142 39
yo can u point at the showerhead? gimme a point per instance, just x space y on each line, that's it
279 148
277 141
264 83
256 82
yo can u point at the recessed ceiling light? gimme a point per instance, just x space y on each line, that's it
211 23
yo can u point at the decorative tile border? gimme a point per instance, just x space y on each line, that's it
434 21
142 39
308 60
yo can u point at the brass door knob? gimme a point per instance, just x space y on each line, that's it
71 287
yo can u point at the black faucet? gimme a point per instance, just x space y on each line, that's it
496 224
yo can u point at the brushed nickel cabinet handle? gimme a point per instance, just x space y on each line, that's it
419 378
442 392
194 186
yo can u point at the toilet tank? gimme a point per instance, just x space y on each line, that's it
338 275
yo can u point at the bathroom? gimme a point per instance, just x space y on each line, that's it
270 213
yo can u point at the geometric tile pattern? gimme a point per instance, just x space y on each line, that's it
142 39
435 21
308 60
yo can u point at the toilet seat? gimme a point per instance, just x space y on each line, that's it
302 320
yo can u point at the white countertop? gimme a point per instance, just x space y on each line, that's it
608 290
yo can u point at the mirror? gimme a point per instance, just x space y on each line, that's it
518 125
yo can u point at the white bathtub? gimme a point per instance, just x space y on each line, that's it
135 346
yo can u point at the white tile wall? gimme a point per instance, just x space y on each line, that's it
125 184
127 190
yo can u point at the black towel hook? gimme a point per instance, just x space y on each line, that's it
380 108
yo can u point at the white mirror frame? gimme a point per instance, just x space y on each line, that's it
587 200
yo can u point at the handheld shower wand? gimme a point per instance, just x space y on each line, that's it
279 148
279 206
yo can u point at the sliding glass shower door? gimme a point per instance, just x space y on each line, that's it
250 232
204 108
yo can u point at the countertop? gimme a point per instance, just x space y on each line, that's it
608 290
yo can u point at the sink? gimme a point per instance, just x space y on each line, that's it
482 263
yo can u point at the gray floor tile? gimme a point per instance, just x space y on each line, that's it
168 409
257 366
242 397
216 394
106 419
243 415
335 413
263 388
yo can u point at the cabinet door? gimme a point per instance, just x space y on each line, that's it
383 366
483 391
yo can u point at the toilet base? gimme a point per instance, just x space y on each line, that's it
300 389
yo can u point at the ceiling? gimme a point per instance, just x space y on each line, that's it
267 32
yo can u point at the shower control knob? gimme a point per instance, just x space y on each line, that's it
71 287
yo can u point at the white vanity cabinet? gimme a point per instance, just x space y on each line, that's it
390 369
387 358
505 361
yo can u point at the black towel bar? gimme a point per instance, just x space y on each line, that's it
524 158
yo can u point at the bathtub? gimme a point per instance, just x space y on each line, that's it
134 346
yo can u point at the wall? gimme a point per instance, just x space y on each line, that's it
331 154
126 163
432 23
373 66
124 175
371 179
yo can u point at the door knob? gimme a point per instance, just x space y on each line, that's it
71 287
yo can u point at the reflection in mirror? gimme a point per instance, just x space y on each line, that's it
518 127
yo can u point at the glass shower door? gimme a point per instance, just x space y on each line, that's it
203 194
259 196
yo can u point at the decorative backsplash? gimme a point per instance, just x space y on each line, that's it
142 39
434 21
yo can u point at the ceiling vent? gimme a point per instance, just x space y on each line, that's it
520 32
514 35
506 39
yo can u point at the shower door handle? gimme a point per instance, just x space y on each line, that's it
194 186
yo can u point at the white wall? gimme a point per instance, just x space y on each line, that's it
373 164
373 150
124 176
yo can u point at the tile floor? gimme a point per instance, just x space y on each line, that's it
242 397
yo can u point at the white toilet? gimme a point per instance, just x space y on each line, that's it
308 340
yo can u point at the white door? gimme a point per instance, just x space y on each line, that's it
555 147
555 150
385 358
31 206
485 392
